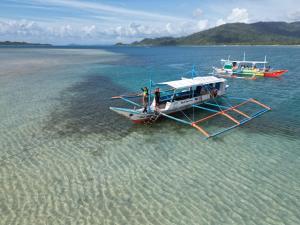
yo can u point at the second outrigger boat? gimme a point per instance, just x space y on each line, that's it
246 69
202 92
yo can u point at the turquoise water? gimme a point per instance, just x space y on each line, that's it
66 159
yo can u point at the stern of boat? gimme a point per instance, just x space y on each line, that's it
275 73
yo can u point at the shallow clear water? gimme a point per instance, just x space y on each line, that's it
66 159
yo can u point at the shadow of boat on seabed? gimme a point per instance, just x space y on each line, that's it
84 110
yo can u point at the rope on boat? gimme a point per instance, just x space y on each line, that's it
210 91
186 116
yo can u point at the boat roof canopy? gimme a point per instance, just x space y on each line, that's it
190 82
244 61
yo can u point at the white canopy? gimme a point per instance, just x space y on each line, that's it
196 81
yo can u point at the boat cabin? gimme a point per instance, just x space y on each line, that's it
230 66
192 89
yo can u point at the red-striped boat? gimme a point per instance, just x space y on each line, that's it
246 69
274 73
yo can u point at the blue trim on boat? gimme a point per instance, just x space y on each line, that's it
237 98
221 106
131 102
176 119
125 110
207 109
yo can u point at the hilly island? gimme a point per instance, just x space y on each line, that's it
260 33
18 43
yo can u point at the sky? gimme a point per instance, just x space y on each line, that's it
92 22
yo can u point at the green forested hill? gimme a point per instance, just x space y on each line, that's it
261 33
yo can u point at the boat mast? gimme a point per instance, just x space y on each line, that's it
193 71
193 91
149 95
193 74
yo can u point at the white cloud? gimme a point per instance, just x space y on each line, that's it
198 12
202 24
22 27
89 30
69 32
64 31
132 30
238 15
97 21
135 30
184 28
88 21
26 29
294 15
97 7
169 28
220 22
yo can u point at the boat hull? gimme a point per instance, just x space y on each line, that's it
137 116
250 73
275 73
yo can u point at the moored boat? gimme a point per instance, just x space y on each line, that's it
180 95
201 92
246 69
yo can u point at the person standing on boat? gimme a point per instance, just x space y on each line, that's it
157 98
145 98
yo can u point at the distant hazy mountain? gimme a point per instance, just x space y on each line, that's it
261 33
15 43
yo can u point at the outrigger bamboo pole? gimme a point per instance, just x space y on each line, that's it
200 129
258 103
174 118
188 123
131 102
230 117
242 113
226 107
220 112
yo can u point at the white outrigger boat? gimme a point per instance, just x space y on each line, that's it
199 93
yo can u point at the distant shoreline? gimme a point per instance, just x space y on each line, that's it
208 45
36 45
17 43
